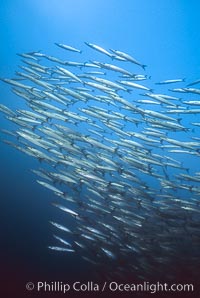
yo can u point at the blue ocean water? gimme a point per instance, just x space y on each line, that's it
162 34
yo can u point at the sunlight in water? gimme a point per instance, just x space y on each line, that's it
68 9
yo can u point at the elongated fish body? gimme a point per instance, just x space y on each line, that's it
29 120
128 58
158 115
98 48
184 111
60 227
170 81
134 85
193 83
30 70
6 110
114 68
67 47
57 248
167 124
36 65
17 84
181 90
55 97
42 83
65 209
196 123
192 102
71 92
69 73
147 101
54 59
27 55
192 90
49 186
108 83
99 86
62 240
162 100
166 96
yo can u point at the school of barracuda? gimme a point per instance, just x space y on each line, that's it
116 167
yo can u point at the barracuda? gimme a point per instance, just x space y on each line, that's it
123 173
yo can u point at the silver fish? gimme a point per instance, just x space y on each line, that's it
67 47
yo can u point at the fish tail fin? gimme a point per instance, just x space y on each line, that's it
52 73
198 150
116 151
42 123
34 127
85 63
144 66
33 89
179 120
